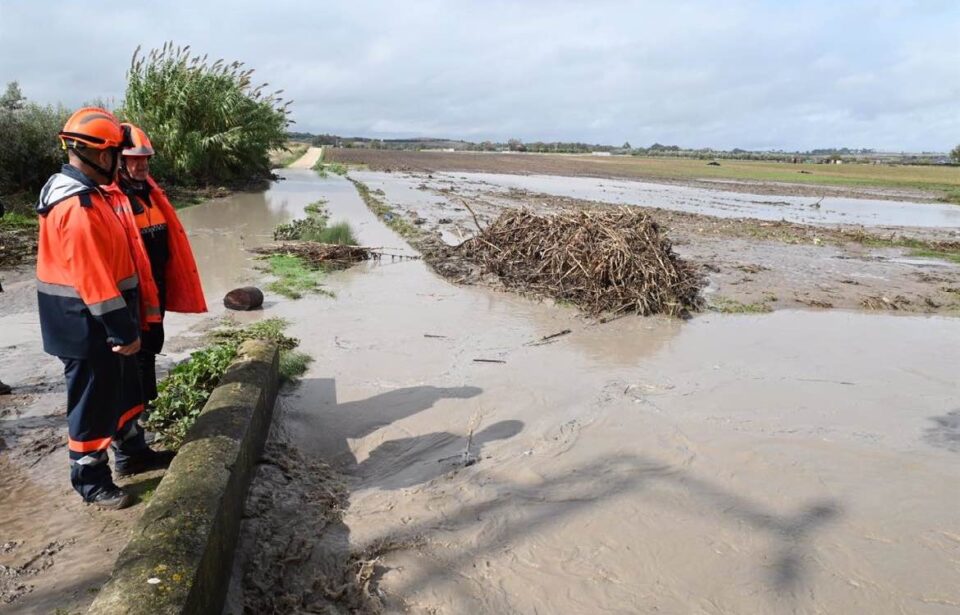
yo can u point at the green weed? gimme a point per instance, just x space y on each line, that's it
295 277
182 394
185 390
293 364
323 168
940 254
339 233
317 209
14 220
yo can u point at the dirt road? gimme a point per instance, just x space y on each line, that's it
308 159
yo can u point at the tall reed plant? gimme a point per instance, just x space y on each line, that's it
208 123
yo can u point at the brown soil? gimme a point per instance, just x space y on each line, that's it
294 554
585 166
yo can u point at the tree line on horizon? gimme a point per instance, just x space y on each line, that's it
656 149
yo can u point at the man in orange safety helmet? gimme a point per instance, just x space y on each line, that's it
95 292
171 259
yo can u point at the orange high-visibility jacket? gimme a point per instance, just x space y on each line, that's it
149 296
92 287
184 291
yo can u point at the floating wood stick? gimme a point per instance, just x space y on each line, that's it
547 338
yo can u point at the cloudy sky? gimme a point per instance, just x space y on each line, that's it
790 74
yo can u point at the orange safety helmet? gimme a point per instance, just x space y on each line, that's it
138 143
94 128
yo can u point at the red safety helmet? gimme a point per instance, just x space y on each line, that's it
92 127
138 143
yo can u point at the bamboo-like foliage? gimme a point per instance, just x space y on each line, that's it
207 121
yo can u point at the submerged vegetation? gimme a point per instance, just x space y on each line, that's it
299 268
185 390
323 168
208 123
295 277
391 218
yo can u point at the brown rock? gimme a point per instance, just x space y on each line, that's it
243 299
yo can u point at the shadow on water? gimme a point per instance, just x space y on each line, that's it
945 432
575 492
326 428
431 455
406 462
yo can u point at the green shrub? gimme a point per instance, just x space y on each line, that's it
182 394
29 150
207 122
298 229
185 390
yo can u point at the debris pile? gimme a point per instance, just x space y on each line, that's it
610 261
321 254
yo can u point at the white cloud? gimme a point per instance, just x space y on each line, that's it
746 73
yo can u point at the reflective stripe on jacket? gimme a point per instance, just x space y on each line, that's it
87 281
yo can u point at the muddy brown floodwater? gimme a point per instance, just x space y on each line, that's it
800 461
793 462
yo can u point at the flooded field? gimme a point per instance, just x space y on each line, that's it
793 462
438 458
723 204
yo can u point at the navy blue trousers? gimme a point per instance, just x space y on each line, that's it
104 401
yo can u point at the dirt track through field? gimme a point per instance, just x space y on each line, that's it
310 158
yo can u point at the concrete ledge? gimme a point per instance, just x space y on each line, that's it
188 531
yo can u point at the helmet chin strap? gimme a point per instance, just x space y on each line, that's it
108 173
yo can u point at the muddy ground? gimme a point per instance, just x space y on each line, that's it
751 265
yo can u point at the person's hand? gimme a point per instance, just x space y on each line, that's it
129 349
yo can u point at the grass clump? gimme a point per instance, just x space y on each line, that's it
299 267
940 254
18 221
324 168
338 234
299 229
184 391
294 276
317 208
